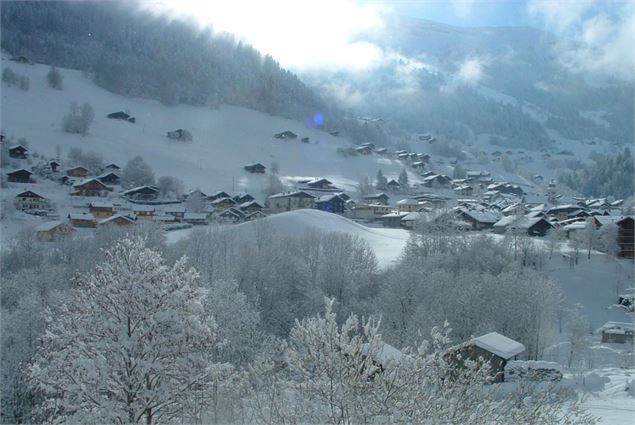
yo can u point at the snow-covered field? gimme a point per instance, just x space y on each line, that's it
225 139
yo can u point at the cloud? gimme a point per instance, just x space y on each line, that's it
300 35
603 34
471 70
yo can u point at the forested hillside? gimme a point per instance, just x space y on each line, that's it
139 55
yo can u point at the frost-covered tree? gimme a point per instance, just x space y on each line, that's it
170 187
132 344
137 173
79 119
459 172
382 181
403 179
54 78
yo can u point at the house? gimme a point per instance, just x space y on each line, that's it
195 218
286 135
121 116
493 348
250 207
82 220
257 168
562 212
255 216
510 189
331 203
101 209
18 151
118 220
165 219
408 205
532 226
145 212
54 166
177 211
437 180
304 140
410 220
52 231
20 176
381 151
362 212
464 190
180 134
364 150
403 156
617 332
232 215
318 184
223 203
90 187
625 234
380 198
392 219
78 171
29 200
109 177
288 201
334 133
218 195
112 167
142 193
241 198
393 185
418 165
479 219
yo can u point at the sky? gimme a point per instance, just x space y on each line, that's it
307 35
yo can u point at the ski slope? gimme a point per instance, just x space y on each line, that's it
225 139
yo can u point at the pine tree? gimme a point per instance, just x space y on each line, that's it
403 179
382 181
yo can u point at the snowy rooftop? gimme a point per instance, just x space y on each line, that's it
45 227
500 345
81 216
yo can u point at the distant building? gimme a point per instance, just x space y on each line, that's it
54 166
285 135
232 215
142 193
109 177
145 212
52 231
82 220
20 176
331 203
289 201
29 200
91 187
218 195
257 168
119 220
121 116
78 171
364 150
617 332
180 134
250 207
101 209
223 203
18 151
379 198
195 218
625 236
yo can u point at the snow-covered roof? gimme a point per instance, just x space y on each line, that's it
482 216
174 209
194 216
408 201
617 327
99 204
385 354
117 216
144 208
296 194
49 225
81 216
413 216
519 222
500 345
394 215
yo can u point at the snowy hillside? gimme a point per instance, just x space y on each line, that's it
225 139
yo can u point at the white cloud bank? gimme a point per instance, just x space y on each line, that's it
299 34
603 34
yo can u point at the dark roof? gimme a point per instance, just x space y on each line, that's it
29 194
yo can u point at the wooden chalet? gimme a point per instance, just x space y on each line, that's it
492 348
52 231
145 212
250 207
379 198
78 171
218 195
233 215
54 166
91 187
112 167
393 185
408 205
20 176
82 220
109 177
121 116
392 219
101 209
364 150
382 151
418 165
29 200
617 332
288 201
319 184
195 218
437 180
119 220
177 211
478 219
223 203
241 198
256 168
255 216
180 134
18 152
142 193
331 203
532 226
285 135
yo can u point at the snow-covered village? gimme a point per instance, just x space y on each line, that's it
202 224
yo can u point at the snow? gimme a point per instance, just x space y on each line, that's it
46 226
498 344
224 139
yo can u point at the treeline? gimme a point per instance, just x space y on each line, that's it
607 175
134 53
